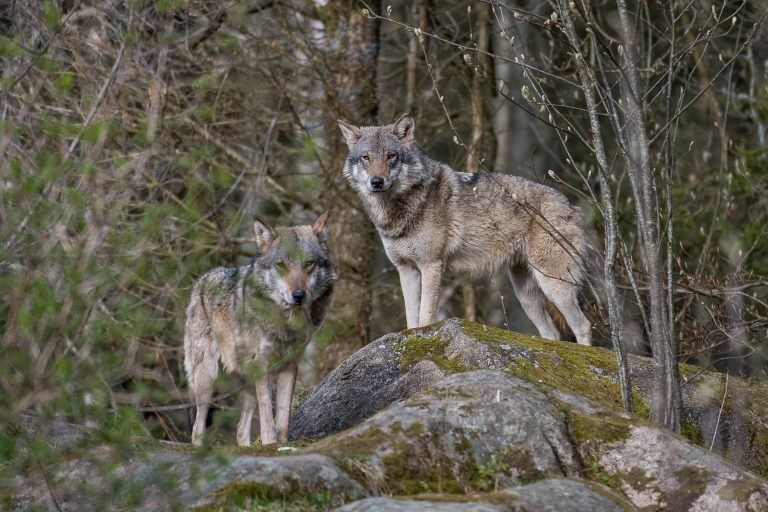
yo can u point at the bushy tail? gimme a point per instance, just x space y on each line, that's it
566 334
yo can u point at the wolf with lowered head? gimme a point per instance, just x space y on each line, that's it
257 320
433 219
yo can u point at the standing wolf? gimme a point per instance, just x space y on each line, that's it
257 319
432 219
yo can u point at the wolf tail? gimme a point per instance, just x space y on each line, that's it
566 334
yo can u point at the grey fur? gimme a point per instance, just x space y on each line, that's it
432 219
249 319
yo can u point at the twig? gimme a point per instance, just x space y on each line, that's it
186 405
722 405
102 94
48 485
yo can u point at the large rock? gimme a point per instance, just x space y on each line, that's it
165 476
552 495
470 431
395 366
484 430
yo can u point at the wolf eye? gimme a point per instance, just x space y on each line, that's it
309 266
365 157
281 266
392 157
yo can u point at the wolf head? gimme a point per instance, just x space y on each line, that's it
294 262
382 158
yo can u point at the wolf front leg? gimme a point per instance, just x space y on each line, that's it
286 382
246 417
431 275
264 397
410 283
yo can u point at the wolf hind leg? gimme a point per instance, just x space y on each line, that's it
201 362
533 301
563 292
204 376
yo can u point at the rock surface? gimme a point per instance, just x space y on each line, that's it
163 477
470 431
395 366
486 429
552 495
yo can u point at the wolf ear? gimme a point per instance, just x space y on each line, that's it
350 132
264 232
319 224
403 128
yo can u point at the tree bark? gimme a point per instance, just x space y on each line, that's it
480 66
421 15
609 214
668 403
352 92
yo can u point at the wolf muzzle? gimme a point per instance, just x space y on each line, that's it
298 297
376 183
379 184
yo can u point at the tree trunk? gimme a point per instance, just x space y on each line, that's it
421 20
480 67
352 92
668 403
609 214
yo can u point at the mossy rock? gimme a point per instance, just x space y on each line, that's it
163 476
550 494
486 430
470 432
398 365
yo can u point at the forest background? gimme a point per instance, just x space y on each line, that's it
138 138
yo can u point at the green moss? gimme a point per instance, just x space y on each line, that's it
758 449
414 348
637 479
407 472
363 442
588 433
413 465
463 447
691 432
602 491
693 482
418 465
509 462
258 496
500 498
351 452
488 334
590 371
586 428
739 490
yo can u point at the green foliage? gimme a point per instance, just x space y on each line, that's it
488 474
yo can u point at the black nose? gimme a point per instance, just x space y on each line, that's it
298 296
377 182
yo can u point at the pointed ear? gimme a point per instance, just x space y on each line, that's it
264 232
403 128
350 132
319 224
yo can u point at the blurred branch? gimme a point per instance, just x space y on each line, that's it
99 98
